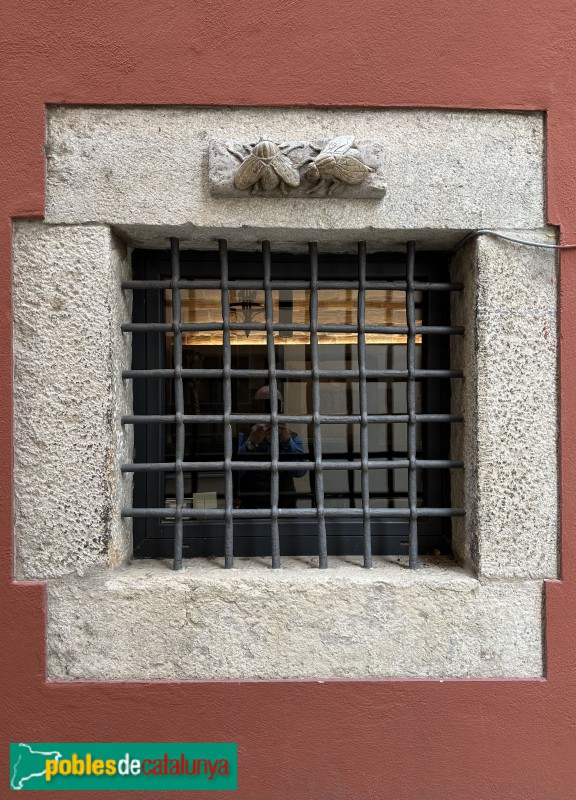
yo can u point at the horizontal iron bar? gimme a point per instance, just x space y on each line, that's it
292 466
423 286
265 513
292 373
343 495
305 419
167 327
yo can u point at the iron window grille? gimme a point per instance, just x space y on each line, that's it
164 369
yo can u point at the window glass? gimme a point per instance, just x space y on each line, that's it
386 354
337 351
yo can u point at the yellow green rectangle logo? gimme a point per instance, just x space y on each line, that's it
114 766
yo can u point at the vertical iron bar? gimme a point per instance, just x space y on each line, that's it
390 431
411 407
350 427
178 401
227 398
363 391
318 476
274 438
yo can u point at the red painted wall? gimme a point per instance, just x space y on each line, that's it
412 740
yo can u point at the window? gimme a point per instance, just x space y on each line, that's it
448 172
291 404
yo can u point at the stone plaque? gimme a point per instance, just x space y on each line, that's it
337 168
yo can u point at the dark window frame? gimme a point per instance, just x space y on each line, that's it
154 537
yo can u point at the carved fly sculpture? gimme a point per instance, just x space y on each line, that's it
266 165
335 164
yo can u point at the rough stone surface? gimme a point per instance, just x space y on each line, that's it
464 399
147 622
224 166
68 397
445 170
294 240
509 400
516 340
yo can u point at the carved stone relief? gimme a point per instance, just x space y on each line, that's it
338 167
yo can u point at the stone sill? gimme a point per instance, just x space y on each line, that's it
147 622
433 570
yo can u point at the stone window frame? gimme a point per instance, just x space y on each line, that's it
481 618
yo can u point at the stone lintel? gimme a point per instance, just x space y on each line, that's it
444 170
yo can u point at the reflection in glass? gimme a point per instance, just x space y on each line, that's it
339 396
335 307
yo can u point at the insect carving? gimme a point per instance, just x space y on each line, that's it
265 166
335 164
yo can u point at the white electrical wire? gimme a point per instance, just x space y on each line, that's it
509 238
